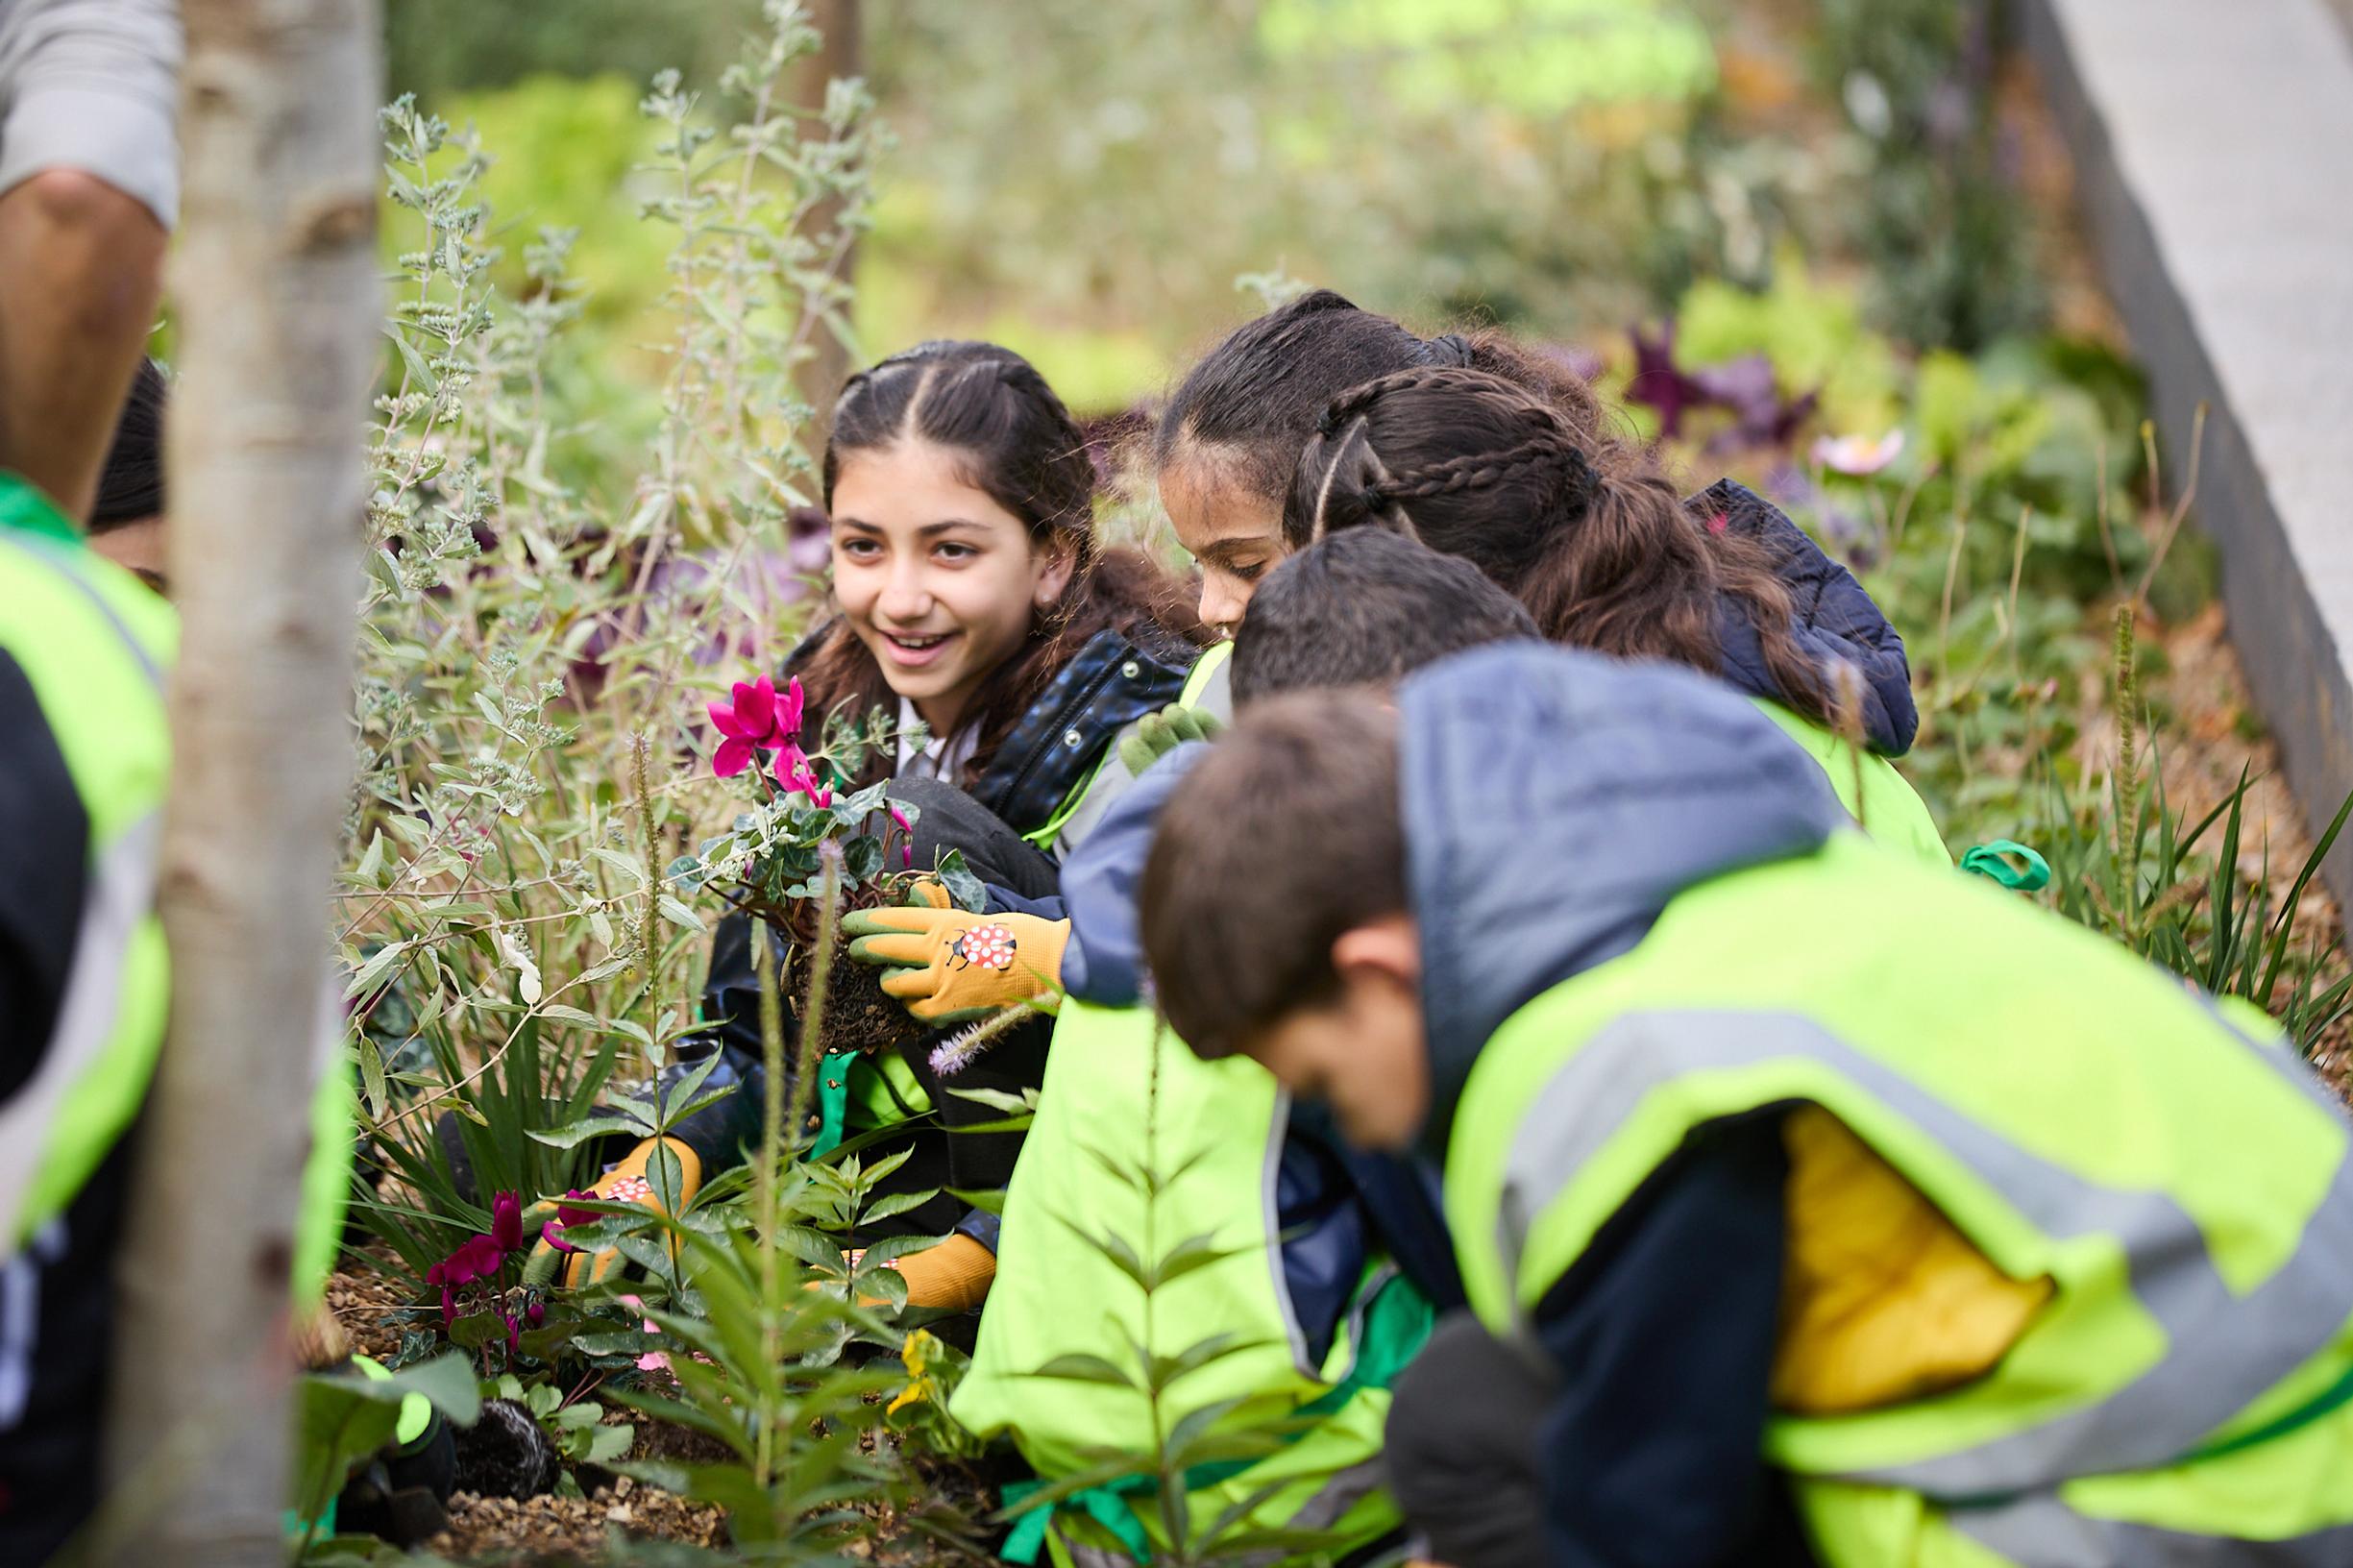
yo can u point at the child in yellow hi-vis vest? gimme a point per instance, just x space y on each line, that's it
1823 1205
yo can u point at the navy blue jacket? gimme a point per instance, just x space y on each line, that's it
1833 618
1513 762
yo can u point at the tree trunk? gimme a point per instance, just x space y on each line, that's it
275 293
837 58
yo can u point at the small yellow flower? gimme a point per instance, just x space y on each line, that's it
916 1356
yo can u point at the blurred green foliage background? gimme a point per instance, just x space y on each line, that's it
1085 181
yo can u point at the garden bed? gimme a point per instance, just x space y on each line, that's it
528 907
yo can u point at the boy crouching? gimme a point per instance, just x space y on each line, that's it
1840 1208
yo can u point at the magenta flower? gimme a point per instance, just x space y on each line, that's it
482 1255
804 780
507 1222
552 1231
754 720
476 1257
906 851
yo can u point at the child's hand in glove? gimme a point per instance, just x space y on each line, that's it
1155 735
627 1182
955 1275
948 966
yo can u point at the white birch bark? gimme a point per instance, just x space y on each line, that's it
276 302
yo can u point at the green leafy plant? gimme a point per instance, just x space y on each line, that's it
343 1417
2134 869
1194 1444
576 1426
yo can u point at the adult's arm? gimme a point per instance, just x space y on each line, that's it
89 190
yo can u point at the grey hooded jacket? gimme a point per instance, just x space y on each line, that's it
1554 802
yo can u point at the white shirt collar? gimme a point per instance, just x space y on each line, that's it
942 757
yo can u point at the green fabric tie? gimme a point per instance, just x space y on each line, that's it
1107 1505
1988 860
832 1101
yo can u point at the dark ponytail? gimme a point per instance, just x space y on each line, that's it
1591 537
1252 399
1019 447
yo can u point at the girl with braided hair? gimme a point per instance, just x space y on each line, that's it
1592 537
1226 442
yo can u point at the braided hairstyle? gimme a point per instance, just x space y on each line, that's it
1590 535
1019 446
1254 397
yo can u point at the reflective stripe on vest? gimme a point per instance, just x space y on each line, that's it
118 901
2042 1532
92 673
2223 1349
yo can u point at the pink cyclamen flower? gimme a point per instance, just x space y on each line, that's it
805 780
552 1231
652 1361
1858 455
483 1253
507 1222
476 1257
752 720
906 851
440 1275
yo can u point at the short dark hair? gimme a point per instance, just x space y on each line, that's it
1363 608
1286 835
130 484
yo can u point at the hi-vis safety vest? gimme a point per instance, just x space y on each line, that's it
95 643
2186 1191
1216 1136
1878 798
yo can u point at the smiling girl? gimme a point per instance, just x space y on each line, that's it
972 598
973 595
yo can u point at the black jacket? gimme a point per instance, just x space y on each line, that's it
1111 681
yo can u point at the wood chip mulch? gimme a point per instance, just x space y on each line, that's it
500 1531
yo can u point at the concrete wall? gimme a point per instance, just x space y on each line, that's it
2214 150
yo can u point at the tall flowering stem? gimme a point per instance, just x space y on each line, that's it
771 1153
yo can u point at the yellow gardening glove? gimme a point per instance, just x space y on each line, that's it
955 1275
949 966
626 1183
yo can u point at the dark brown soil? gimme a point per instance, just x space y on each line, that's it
369 1308
858 1016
